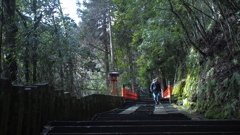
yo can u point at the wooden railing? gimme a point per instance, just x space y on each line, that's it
127 94
24 110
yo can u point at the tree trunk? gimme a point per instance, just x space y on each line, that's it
106 51
162 80
61 72
69 71
27 63
60 53
71 75
34 57
36 22
106 60
34 77
1 26
9 7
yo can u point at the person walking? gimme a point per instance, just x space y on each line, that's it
155 88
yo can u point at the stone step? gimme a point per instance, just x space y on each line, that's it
146 122
115 117
141 120
152 133
145 129
146 101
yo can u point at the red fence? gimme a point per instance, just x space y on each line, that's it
167 92
128 94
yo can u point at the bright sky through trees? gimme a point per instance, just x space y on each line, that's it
70 7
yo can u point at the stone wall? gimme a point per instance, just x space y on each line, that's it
26 109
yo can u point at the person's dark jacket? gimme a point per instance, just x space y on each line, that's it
155 87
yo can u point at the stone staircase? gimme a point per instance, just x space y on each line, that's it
142 117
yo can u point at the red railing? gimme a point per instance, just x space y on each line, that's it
127 94
167 92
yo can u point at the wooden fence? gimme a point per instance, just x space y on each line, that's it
26 109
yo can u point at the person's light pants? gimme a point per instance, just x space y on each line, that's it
156 97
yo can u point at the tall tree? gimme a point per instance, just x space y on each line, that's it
8 22
95 26
1 29
126 29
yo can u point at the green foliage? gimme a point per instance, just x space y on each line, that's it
173 39
208 95
236 77
178 90
223 101
192 74
46 47
183 37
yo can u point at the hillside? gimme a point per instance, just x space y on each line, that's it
212 82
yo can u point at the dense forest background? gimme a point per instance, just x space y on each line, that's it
193 44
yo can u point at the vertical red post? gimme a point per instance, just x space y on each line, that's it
169 89
123 91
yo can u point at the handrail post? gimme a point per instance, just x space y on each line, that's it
123 91
169 88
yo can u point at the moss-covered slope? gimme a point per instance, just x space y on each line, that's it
211 88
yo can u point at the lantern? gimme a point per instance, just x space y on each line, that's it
113 78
